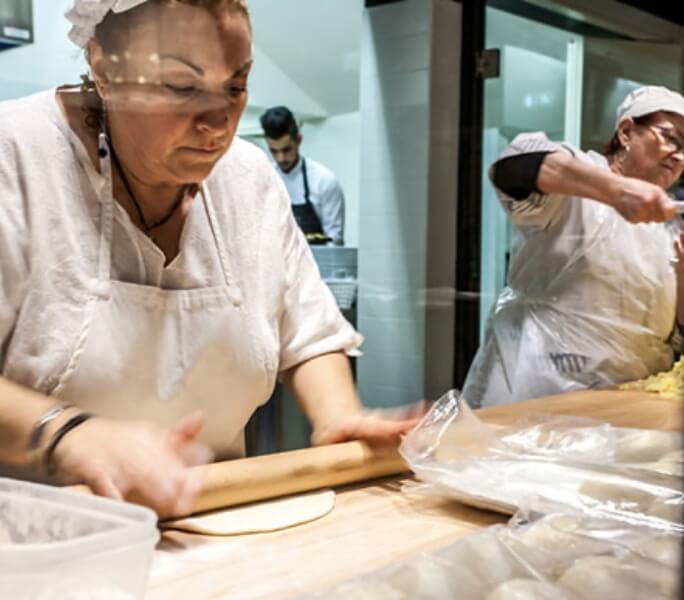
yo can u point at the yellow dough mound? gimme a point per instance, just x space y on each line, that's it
668 384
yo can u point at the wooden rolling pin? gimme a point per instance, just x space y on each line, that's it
272 475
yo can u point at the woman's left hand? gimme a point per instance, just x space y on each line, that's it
375 427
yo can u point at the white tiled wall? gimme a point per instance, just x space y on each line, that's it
410 69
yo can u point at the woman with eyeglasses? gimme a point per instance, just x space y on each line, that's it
153 281
595 289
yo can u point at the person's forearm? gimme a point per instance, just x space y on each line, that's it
561 173
324 388
20 409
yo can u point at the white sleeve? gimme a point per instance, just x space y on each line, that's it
311 323
538 210
14 263
332 211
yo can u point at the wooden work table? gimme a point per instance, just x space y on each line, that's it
373 524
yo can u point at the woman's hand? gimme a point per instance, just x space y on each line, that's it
639 201
325 390
129 460
375 427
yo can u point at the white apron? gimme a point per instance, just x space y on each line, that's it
157 355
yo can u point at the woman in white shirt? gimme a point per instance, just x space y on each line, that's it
595 292
151 273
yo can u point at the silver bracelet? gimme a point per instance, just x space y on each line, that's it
39 429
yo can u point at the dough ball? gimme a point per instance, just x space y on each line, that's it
645 446
488 560
545 537
365 589
562 531
655 574
619 495
422 579
477 564
605 577
668 509
665 549
465 584
526 589
672 463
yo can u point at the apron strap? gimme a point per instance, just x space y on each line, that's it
305 177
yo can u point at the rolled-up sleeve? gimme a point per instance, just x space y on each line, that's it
538 210
311 323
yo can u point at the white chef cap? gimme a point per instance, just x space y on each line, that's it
86 15
649 99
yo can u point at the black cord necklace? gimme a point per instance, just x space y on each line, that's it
148 228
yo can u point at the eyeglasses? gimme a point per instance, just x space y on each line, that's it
672 143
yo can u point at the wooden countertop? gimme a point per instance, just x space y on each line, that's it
373 524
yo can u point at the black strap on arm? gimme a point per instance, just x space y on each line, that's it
57 437
516 176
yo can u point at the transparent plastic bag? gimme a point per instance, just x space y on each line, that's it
559 556
572 462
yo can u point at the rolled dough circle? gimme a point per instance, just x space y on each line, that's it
260 517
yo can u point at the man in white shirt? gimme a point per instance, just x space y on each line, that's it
315 193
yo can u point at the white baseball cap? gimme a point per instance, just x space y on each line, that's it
649 99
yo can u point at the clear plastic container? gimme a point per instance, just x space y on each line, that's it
56 544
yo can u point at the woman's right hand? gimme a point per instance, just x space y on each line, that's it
133 461
639 201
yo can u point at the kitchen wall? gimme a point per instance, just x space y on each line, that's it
409 129
52 60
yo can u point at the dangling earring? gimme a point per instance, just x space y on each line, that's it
624 153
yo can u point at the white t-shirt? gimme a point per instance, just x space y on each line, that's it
49 228
325 194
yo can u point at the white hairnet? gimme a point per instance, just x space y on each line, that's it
86 15
649 99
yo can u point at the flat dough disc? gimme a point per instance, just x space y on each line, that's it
260 517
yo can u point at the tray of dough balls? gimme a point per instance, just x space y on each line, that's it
552 556
581 464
